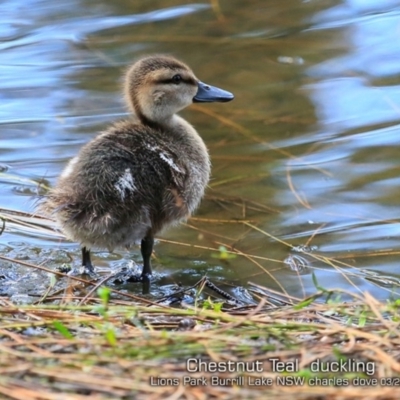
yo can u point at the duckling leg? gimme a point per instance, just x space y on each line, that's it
146 250
86 261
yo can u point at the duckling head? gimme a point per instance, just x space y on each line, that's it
157 87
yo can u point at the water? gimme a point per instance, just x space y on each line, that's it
306 155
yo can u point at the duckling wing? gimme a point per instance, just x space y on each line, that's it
138 167
134 171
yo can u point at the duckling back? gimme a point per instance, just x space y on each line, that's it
128 180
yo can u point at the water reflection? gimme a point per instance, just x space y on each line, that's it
307 153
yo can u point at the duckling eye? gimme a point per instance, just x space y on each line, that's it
177 79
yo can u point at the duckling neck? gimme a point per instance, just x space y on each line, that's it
179 131
155 119
153 123
177 128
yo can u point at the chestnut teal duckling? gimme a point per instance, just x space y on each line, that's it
142 174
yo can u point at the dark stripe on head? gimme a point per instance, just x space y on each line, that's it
188 80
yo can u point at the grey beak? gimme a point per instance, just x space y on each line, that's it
208 94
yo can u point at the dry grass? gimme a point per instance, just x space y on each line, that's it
112 349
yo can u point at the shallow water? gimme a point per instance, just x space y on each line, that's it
306 155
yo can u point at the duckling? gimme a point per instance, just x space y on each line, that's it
142 174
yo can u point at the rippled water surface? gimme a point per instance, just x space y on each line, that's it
306 156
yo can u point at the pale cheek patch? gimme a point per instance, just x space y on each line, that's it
125 183
158 97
